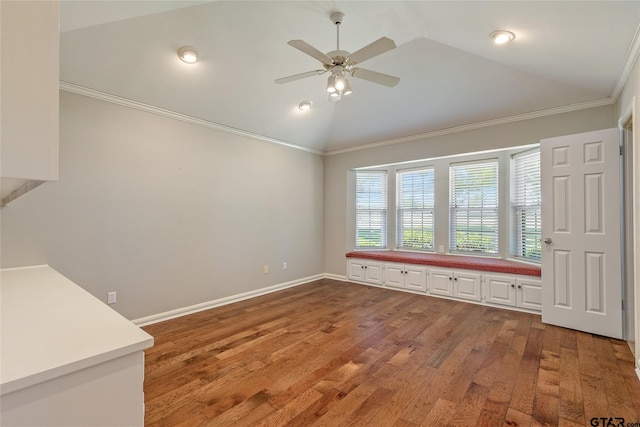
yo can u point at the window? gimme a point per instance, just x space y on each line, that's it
415 209
474 207
371 209
526 200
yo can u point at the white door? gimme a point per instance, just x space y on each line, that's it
581 267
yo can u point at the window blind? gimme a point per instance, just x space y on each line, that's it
526 205
474 207
371 209
415 207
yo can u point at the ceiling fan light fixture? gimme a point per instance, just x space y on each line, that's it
347 88
340 82
331 84
502 36
188 54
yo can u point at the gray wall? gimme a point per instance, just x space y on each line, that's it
337 167
166 213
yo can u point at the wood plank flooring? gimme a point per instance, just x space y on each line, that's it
331 353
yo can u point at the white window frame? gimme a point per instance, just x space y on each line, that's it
371 208
481 208
526 205
415 209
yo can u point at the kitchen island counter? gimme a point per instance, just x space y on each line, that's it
58 341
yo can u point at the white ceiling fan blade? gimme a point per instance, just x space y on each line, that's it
299 76
311 51
376 48
375 77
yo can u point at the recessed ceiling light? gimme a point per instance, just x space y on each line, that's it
188 54
305 105
502 36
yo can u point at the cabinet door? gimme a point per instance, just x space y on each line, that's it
501 290
441 282
394 275
355 270
373 272
529 293
415 278
467 285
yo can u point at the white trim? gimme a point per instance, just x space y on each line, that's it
336 277
103 96
91 93
638 370
479 125
627 66
172 314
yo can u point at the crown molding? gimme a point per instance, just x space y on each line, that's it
103 96
629 62
479 125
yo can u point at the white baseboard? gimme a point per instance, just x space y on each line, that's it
638 370
172 314
335 277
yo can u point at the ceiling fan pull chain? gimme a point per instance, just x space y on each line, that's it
337 36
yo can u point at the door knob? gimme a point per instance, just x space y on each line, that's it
547 240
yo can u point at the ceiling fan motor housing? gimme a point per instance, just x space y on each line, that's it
337 17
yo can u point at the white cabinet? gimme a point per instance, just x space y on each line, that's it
29 109
441 282
467 285
500 289
67 358
514 291
507 290
455 283
529 293
405 276
361 270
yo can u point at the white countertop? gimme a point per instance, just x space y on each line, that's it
49 327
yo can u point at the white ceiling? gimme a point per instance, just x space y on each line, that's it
567 55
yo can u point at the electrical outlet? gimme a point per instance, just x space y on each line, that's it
284 265
111 297
266 269
441 248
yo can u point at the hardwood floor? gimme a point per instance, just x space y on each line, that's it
331 353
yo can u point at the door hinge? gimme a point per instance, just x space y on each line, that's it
622 150
622 304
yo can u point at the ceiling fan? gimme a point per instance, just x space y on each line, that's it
340 63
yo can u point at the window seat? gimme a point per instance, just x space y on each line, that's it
453 261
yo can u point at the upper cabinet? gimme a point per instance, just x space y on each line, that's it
29 96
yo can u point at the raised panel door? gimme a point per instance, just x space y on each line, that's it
441 282
500 290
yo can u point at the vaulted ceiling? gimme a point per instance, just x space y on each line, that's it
567 55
